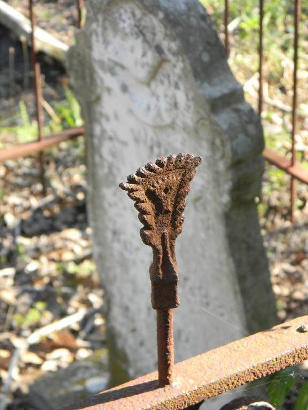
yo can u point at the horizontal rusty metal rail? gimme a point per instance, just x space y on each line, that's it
212 373
296 170
31 148
23 150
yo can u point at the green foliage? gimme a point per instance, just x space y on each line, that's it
67 114
275 14
277 140
27 130
32 317
249 23
302 399
69 111
277 181
277 178
280 385
82 270
280 304
20 249
244 17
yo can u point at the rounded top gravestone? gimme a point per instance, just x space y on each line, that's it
152 78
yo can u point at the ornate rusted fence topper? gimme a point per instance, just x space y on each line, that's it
159 190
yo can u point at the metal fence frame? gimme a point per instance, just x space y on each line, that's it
212 373
291 167
199 380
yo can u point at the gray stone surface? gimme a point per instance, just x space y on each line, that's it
153 79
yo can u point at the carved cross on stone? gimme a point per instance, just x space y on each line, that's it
159 190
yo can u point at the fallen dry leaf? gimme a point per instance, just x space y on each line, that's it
64 338
5 357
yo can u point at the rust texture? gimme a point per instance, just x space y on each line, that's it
80 13
297 170
261 15
297 8
165 346
226 23
23 150
159 190
211 373
38 92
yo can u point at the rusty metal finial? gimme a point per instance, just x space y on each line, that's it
159 190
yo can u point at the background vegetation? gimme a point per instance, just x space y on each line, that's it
46 240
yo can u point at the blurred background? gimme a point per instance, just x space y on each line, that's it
47 275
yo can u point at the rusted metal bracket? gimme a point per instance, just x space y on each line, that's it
213 372
159 190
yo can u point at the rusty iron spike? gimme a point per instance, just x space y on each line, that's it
159 191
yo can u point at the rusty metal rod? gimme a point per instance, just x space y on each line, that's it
293 198
23 150
159 190
261 15
226 23
212 373
31 148
80 13
297 9
12 74
296 171
165 346
38 93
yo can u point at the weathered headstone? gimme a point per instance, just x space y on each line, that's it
153 79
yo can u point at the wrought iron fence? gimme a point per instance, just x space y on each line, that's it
229 366
290 166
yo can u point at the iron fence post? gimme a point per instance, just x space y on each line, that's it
297 8
159 190
38 93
